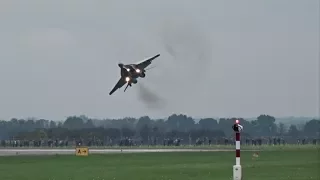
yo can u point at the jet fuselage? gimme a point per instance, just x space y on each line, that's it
129 73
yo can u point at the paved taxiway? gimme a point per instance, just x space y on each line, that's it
15 152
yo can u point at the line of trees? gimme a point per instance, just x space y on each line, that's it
176 125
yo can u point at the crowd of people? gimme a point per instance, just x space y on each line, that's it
156 141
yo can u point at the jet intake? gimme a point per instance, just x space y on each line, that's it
142 75
134 81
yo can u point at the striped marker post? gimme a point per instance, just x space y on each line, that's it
237 148
237 170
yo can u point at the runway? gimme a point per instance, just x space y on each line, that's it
17 152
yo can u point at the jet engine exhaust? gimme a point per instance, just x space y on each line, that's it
150 99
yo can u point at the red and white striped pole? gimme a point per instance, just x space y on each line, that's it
237 146
237 170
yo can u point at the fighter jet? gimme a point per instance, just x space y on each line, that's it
131 72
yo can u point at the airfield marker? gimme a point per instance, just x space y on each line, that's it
237 170
237 148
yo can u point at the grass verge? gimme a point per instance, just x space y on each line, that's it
300 164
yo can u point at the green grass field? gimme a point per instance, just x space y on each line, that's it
290 164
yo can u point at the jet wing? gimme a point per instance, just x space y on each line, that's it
146 63
119 84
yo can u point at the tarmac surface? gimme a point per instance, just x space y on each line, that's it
16 152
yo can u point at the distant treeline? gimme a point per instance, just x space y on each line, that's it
175 126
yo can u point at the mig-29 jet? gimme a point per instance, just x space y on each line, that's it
130 73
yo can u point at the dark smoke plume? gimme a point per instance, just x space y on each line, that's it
188 44
149 98
190 47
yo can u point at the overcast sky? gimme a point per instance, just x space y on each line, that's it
218 58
